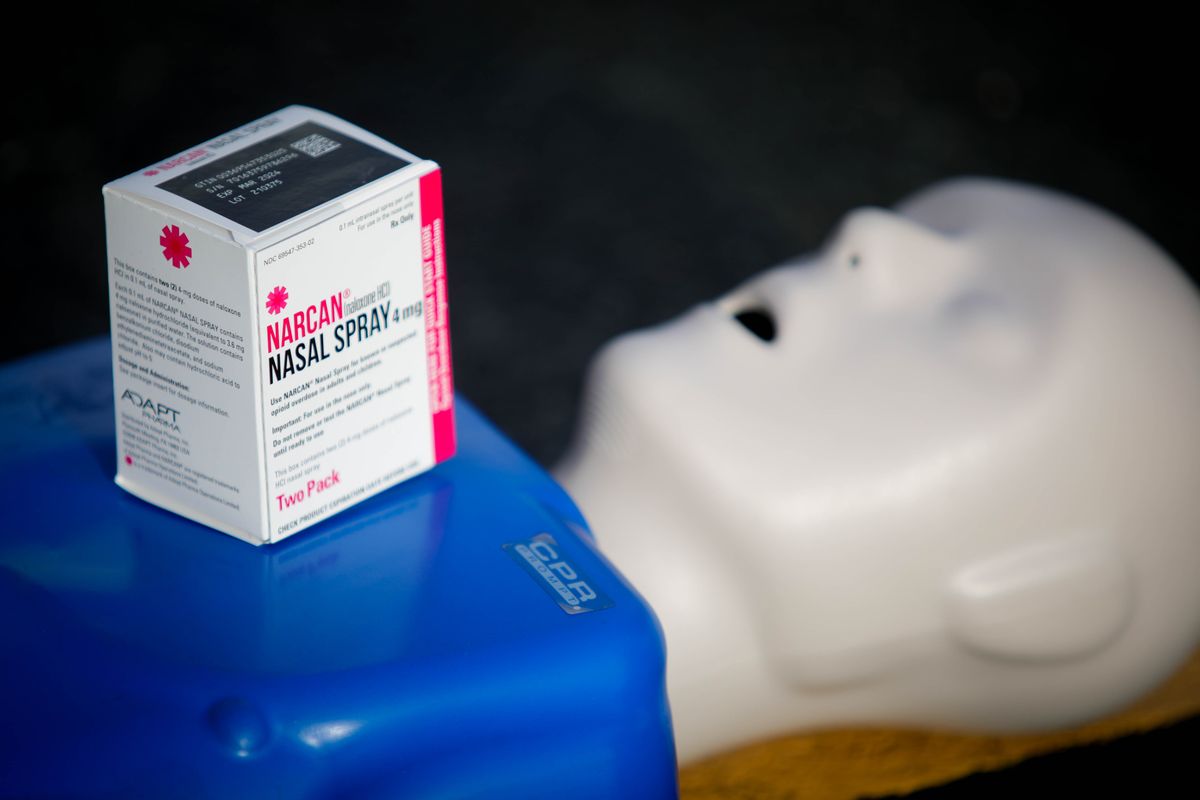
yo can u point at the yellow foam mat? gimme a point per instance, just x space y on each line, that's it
831 765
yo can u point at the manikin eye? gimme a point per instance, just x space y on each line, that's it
758 321
986 329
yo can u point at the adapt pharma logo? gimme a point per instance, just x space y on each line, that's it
159 413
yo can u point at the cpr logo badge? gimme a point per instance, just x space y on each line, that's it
542 559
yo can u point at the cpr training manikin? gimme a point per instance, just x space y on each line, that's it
943 473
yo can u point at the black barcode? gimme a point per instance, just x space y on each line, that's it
316 145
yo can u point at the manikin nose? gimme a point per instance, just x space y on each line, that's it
877 260
896 260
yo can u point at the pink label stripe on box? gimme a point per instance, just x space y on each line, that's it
437 318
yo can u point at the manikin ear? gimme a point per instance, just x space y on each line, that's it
1051 601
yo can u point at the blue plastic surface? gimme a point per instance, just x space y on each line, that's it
396 650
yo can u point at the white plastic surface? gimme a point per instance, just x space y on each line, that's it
959 488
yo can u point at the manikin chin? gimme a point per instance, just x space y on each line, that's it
943 473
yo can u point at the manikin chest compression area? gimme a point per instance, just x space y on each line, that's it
945 472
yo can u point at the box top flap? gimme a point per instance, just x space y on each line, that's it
256 180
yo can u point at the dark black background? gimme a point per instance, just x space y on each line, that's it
606 165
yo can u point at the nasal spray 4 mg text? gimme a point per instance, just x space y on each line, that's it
279 324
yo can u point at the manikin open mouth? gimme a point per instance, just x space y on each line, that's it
758 320
747 307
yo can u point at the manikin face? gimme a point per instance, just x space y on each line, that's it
921 443
890 351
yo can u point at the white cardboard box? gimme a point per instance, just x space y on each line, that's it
279 324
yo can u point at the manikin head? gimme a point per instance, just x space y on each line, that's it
944 472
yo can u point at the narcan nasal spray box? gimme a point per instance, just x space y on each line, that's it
279 324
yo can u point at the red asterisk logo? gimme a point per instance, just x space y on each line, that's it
277 300
175 246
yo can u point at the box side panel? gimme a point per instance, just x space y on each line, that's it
183 377
344 369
